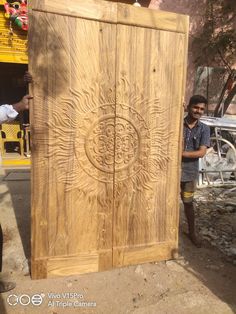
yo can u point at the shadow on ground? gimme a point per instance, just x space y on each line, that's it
18 183
199 281
209 266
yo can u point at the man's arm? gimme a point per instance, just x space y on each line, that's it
201 152
204 144
10 112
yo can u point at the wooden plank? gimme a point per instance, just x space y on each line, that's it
144 254
148 121
74 100
79 264
156 19
39 268
72 265
182 51
116 13
105 260
91 9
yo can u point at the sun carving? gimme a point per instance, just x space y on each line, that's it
107 142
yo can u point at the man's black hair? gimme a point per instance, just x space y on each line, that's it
197 99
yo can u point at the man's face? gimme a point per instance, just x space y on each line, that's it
196 111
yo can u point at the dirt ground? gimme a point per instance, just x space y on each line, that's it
199 281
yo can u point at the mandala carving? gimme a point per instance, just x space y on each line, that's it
112 140
112 143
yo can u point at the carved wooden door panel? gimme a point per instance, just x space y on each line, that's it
106 123
149 87
73 142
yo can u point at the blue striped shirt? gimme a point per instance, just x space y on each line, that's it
198 136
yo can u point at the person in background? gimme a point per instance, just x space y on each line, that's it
196 140
8 113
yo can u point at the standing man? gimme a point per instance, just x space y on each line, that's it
9 113
196 140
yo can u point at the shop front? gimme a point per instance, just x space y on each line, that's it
15 148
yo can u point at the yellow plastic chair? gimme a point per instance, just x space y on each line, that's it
11 132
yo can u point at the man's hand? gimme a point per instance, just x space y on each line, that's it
201 152
28 77
23 104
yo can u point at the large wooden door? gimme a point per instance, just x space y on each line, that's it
106 125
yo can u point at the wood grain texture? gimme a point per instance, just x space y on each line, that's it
72 184
149 97
72 265
144 254
91 9
105 136
118 13
39 269
156 19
